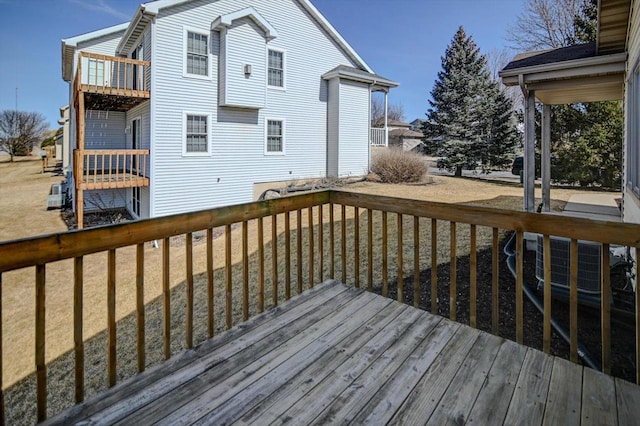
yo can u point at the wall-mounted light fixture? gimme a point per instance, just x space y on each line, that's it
247 70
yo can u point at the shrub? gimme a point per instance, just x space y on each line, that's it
397 166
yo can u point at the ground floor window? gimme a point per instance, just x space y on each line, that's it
196 134
275 137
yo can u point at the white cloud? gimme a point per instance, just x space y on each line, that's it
100 6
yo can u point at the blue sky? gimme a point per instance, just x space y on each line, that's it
400 39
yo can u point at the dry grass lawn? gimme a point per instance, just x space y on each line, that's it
18 307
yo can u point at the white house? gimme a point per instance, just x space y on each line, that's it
193 102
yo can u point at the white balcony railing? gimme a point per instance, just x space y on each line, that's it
378 136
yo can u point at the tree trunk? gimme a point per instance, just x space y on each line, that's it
458 171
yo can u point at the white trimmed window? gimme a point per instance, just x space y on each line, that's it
196 134
275 137
276 68
197 54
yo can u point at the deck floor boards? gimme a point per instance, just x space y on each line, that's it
337 354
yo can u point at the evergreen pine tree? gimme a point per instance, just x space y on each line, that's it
470 120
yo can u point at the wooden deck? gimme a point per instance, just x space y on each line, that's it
336 354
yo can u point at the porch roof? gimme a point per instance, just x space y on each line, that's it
569 74
350 73
581 73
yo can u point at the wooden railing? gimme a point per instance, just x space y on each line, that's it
344 232
104 169
112 75
378 136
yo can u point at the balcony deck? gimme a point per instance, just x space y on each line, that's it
337 354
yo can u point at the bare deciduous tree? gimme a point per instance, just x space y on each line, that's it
20 131
545 24
497 59
395 111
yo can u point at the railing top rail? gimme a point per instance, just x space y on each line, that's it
114 151
39 250
626 234
114 58
50 248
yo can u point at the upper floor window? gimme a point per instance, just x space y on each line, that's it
276 68
197 51
196 134
275 137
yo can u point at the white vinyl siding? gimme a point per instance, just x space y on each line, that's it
276 68
237 160
631 205
353 142
196 54
242 44
274 142
196 138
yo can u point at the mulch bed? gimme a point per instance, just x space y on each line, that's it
622 329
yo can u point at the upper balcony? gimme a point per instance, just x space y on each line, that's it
112 83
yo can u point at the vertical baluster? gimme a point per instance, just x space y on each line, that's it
434 266
287 255
140 304
519 286
637 307
2 416
400 275
495 301
41 367
321 243
416 261
166 300
453 285
274 259
311 249
210 288
78 347
227 271
369 249
332 241
546 320
299 249
356 246
473 277
245 271
343 242
111 317
605 309
385 283
110 166
260 264
573 300
189 310
95 168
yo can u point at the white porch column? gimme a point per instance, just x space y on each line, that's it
529 163
386 115
546 157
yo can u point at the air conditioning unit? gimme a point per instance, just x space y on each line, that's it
588 264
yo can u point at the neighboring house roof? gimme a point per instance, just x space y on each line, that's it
528 59
355 74
390 123
69 46
405 133
147 11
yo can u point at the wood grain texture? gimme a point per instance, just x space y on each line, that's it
495 287
111 318
563 400
78 340
274 260
453 273
140 307
628 401
245 271
287 255
599 405
311 244
299 250
400 273
385 254
41 367
228 308
261 265
434 266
